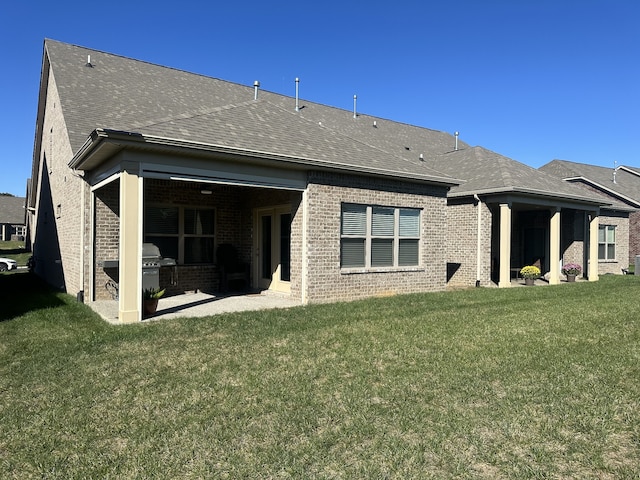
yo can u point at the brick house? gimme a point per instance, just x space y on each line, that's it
12 218
620 221
506 215
321 203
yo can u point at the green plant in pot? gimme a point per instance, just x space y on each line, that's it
530 273
150 297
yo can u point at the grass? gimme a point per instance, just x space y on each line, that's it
537 382
16 251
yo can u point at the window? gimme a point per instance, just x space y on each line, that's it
375 236
184 233
606 242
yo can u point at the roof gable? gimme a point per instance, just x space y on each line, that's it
622 183
488 172
12 210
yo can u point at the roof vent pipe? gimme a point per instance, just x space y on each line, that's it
256 87
88 64
355 100
421 157
615 170
456 134
297 97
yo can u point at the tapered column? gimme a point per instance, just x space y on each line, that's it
130 282
554 247
504 280
592 272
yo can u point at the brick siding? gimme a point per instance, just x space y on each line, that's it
621 222
326 281
462 240
634 236
56 228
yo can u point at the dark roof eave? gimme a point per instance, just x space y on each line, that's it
530 192
98 137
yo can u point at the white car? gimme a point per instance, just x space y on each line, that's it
7 264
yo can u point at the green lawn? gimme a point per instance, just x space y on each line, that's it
538 382
15 251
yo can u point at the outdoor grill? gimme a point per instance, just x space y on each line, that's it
152 261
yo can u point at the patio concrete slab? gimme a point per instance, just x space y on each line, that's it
201 304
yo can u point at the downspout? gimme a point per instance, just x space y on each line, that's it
478 240
80 296
305 251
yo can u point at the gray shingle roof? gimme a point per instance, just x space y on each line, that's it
118 93
626 187
489 172
12 210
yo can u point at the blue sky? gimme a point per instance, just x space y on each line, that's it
531 79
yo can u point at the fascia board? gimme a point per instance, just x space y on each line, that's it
532 193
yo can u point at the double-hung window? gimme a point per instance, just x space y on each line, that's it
606 242
184 233
377 236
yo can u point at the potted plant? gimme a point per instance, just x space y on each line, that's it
150 297
571 270
530 273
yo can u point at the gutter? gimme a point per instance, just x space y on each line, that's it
526 191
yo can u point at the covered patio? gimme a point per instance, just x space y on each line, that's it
201 304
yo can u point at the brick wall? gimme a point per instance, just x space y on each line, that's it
325 281
634 236
106 234
621 222
56 229
462 241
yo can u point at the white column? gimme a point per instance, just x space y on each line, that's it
130 281
505 246
592 272
554 247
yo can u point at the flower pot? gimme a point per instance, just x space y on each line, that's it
571 278
529 281
150 306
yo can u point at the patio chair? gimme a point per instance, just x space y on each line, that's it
233 272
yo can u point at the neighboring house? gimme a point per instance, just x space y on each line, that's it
619 237
12 218
507 215
323 204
